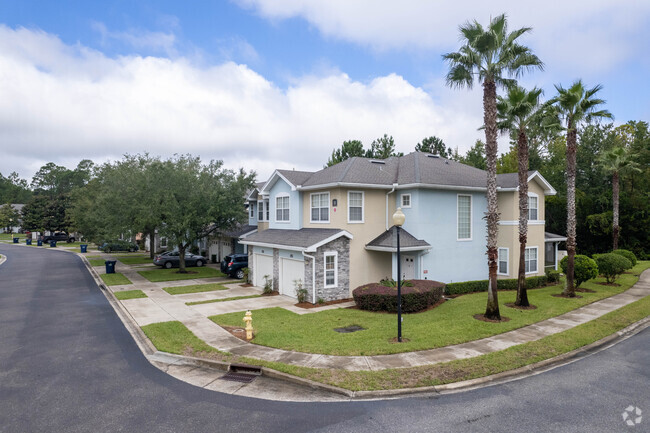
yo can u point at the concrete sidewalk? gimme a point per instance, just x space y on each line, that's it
161 306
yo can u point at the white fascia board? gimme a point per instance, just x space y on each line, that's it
394 250
555 239
269 183
516 223
250 198
445 187
265 245
389 187
248 234
313 248
548 188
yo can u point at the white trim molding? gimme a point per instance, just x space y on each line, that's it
402 196
283 195
507 250
471 205
536 260
311 220
516 223
363 207
336 270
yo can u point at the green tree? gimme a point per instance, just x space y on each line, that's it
8 217
434 145
575 105
489 55
13 189
382 148
349 149
475 156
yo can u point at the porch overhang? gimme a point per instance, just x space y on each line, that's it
387 242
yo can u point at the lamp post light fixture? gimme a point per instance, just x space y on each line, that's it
398 221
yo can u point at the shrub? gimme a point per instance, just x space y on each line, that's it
389 282
507 284
267 290
417 297
247 273
584 268
628 255
301 293
552 276
612 265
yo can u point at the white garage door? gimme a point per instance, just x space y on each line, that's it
263 266
291 270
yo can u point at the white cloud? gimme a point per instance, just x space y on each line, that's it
589 34
65 103
139 39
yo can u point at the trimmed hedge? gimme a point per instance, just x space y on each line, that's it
627 254
552 276
584 268
417 297
482 285
611 265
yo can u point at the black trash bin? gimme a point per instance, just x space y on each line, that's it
110 266
16 240
52 244
39 242
84 248
28 241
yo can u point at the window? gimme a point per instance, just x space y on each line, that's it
503 261
464 217
320 207
260 211
355 207
252 209
266 205
282 208
531 260
330 269
532 207
163 242
406 200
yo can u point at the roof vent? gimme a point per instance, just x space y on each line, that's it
433 156
377 161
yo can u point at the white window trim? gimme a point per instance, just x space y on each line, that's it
402 201
363 206
336 269
260 208
536 260
252 210
532 194
328 208
471 221
281 195
507 261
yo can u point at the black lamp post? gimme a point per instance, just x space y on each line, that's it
398 221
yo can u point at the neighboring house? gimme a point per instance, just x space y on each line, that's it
331 230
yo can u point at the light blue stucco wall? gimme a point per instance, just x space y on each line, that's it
252 221
433 218
295 210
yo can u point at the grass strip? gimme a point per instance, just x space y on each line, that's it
194 288
115 279
135 260
158 275
174 337
130 294
234 298
96 262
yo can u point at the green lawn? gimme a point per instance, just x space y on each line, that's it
10 236
158 275
115 279
96 262
450 323
234 298
130 294
174 337
135 260
194 288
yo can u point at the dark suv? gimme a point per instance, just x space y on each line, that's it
59 237
234 264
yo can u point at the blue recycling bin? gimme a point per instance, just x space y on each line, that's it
28 241
84 248
15 240
39 242
52 244
110 266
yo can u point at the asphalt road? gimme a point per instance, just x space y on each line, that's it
68 365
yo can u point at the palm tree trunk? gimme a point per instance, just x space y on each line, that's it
522 157
492 215
571 207
615 196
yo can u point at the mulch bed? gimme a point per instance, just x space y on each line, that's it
246 285
394 340
310 305
237 331
430 307
581 290
562 295
610 284
482 318
273 293
517 307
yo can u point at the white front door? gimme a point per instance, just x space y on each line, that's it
408 267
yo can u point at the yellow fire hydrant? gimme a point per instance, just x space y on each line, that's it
248 318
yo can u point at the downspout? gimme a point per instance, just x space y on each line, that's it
313 276
387 194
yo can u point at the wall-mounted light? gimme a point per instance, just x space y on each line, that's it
335 202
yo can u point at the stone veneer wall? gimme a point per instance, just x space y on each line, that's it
250 264
342 290
276 269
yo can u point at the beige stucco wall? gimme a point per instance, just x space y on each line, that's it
366 266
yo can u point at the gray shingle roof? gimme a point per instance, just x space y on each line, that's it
552 237
296 177
240 231
303 238
510 180
388 240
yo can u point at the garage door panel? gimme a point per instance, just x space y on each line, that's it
263 266
291 270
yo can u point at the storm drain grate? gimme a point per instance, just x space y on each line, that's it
238 377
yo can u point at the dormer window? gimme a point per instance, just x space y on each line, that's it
282 208
533 203
260 211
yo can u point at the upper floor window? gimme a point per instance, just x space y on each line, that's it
532 207
260 211
252 210
282 208
320 209
503 261
464 221
268 210
531 260
355 206
406 200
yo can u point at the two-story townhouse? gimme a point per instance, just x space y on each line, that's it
332 231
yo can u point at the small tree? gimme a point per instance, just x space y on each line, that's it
612 265
8 217
584 268
627 254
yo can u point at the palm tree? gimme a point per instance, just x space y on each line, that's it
515 113
574 106
616 161
490 54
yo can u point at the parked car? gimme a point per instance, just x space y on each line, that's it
118 245
59 237
171 259
234 264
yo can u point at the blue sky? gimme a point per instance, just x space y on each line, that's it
269 84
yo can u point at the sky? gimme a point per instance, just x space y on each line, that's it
266 84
